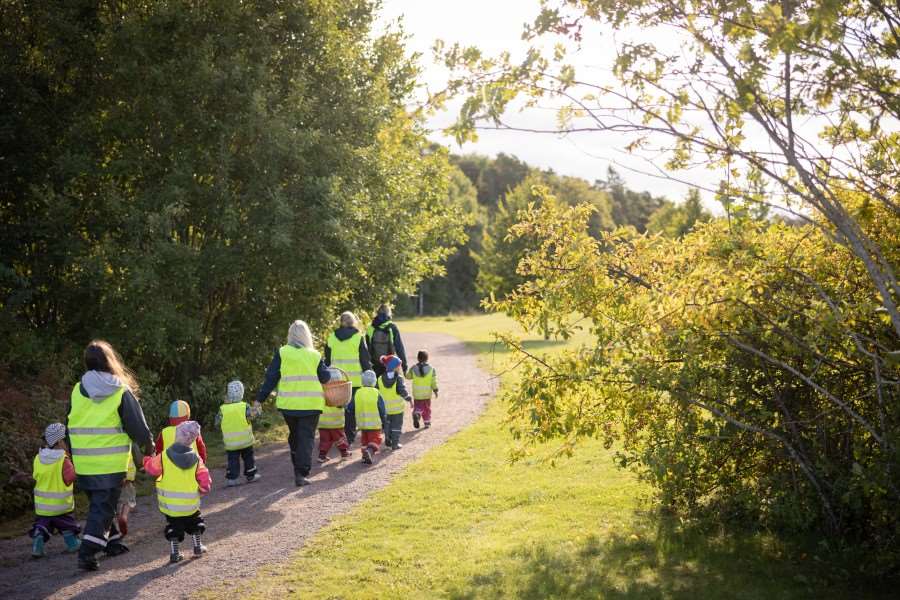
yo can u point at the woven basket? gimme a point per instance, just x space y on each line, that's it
338 393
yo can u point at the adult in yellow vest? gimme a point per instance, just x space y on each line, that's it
383 339
298 372
104 420
346 349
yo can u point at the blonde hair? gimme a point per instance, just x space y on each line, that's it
299 335
385 309
348 319
101 356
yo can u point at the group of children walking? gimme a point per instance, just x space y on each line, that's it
179 464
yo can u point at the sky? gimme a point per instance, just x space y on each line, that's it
495 26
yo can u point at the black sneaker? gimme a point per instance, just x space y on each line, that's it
176 557
116 549
300 480
88 563
416 420
199 550
367 456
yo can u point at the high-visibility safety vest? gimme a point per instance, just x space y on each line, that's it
177 492
345 355
393 402
332 418
299 387
423 384
99 444
237 433
365 406
52 497
168 438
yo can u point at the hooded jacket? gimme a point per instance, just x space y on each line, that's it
345 333
49 456
379 320
98 385
184 457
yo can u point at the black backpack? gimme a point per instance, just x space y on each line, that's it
382 342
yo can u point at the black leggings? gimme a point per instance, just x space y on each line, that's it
302 439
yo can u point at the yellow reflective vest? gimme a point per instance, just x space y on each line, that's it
423 384
177 492
393 402
298 384
365 406
345 355
237 433
332 418
52 497
99 444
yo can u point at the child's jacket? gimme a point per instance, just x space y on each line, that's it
53 478
369 409
394 393
237 433
424 381
181 478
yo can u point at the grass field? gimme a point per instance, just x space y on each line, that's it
465 523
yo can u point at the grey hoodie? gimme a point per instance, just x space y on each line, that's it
98 385
49 456
183 456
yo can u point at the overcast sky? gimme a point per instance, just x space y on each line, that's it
494 26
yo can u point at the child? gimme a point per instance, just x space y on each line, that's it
54 502
424 382
179 412
332 433
371 416
237 435
182 478
392 390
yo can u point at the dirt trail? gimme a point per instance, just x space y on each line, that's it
257 524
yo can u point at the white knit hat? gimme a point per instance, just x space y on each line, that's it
369 378
54 433
235 391
186 432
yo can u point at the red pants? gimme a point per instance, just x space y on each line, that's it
332 437
372 439
423 407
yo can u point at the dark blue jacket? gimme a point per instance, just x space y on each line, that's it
399 350
273 375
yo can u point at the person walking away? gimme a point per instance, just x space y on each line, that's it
179 412
346 349
391 388
331 432
237 435
104 420
54 498
371 416
424 384
182 477
383 339
298 372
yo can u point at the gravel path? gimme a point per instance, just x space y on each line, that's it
257 524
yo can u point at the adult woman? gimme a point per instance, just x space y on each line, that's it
298 372
346 348
104 421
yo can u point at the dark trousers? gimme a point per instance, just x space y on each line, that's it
176 527
302 440
393 428
350 419
100 520
234 463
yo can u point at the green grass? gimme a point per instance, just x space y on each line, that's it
463 522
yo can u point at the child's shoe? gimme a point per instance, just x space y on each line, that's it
37 547
232 483
253 478
175 555
416 420
199 548
427 424
72 541
396 446
322 457
366 456
345 454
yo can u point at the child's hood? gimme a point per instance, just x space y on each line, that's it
424 368
48 456
183 456
100 385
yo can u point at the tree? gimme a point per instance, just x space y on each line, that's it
678 221
628 206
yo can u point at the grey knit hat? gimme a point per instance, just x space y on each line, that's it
186 432
369 378
235 391
54 433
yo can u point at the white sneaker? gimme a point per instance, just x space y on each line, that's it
255 477
232 483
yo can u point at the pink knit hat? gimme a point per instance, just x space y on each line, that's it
187 432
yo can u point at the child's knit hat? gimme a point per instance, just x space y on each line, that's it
390 362
235 392
179 408
54 433
369 379
187 432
